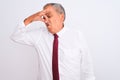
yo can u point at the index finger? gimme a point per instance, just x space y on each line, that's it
43 12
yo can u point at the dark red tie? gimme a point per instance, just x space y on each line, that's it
55 70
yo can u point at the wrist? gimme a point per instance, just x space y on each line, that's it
27 21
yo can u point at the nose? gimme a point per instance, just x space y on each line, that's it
44 18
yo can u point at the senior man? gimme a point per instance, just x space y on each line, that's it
63 54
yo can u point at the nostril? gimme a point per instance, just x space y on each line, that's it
43 17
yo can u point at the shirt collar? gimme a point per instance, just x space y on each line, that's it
60 33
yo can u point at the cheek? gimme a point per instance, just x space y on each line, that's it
55 21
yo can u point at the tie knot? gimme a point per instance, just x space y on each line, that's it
55 36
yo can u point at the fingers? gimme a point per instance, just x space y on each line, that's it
41 13
42 16
45 18
39 16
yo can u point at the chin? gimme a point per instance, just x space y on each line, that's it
51 31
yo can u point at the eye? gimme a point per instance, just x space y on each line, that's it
49 16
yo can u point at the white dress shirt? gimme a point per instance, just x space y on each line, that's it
74 59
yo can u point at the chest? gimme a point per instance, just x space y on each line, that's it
67 46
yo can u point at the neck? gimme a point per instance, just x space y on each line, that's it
58 29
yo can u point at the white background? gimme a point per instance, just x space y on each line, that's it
99 20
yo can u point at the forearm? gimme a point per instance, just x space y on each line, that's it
36 17
27 21
21 34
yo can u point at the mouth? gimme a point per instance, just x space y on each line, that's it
47 24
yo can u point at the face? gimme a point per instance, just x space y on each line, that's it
55 19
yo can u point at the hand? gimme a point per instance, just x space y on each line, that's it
39 16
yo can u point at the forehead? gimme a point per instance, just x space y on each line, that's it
49 9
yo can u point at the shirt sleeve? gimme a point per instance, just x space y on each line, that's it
86 61
23 35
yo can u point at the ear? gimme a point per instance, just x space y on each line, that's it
62 17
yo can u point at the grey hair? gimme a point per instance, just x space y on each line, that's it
59 8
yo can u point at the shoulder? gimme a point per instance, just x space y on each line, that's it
74 31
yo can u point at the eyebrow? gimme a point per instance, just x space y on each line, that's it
48 13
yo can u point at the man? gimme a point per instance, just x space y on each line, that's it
63 54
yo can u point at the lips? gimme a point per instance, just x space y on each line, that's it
47 24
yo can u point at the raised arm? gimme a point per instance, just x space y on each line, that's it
21 33
39 16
